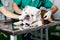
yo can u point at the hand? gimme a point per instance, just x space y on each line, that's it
47 15
23 14
20 17
17 23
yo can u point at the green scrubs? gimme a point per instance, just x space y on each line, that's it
35 3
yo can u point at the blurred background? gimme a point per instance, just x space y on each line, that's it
54 32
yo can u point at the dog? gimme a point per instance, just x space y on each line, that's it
31 17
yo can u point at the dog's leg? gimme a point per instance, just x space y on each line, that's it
42 20
17 23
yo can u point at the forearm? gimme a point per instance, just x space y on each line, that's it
16 8
54 9
7 13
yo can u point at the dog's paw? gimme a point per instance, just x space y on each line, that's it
38 23
18 23
18 28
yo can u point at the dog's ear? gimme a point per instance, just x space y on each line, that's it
43 12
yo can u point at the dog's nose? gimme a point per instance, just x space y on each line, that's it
27 16
27 24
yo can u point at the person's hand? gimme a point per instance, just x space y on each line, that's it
17 23
47 15
20 17
23 14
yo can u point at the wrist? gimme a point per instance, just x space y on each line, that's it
50 11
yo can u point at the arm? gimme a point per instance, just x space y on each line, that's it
50 12
54 9
7 13
16 8
48 4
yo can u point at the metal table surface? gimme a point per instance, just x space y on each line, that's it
14 33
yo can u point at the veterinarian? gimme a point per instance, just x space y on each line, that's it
18 6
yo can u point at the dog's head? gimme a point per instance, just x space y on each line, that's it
30 12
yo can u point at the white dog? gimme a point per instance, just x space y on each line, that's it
30 14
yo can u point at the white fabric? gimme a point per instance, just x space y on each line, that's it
13 37
47 15
8 4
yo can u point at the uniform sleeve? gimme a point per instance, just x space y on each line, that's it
17 2
1 4
48 4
